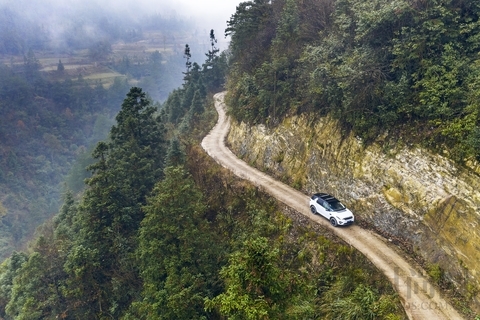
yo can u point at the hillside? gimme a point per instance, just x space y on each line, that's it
369 100
376 102
162 232
406 70
55 105
419 297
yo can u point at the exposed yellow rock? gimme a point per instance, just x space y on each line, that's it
410 193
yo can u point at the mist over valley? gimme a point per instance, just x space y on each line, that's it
65 68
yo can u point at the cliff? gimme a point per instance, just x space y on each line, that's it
406 193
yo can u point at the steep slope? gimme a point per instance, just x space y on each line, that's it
414 197
420 299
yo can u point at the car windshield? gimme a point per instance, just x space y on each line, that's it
336 205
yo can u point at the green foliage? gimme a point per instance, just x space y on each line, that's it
9 269
175 154
214 68
189 241
254 282
296 274
375 65
43 127
101 265
173 108
288 27
251 31
175 251
209 246
36 289
31 66
435 272
40 285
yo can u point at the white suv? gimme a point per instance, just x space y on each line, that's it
332 209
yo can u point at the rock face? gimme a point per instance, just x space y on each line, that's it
411 194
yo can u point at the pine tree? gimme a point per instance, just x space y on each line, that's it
40 285
8 271
175 154
37 287
212 54
176 252
255 285
127 167
31 66
188 64
214 68
197 104
173 106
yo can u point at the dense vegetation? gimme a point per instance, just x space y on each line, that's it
162 232
198 244
44 127
378 66
50 120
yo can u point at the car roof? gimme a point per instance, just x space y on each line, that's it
326 197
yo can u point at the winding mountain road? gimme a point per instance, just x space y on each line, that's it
419 298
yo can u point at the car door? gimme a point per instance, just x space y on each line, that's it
320 206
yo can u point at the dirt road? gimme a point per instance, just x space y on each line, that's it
420 299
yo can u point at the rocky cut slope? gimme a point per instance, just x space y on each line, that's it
410 194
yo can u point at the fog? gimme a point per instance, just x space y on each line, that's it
53 17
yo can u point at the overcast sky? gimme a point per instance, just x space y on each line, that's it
208 11
208 14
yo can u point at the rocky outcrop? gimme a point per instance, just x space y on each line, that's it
406 193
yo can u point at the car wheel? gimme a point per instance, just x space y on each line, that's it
333 221
312 208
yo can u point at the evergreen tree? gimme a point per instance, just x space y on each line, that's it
173 105
8 271
251 29
175 252
31 64
175 154
197 104
127 167
40 285
189 92
213 72
188 64
212 54
255 286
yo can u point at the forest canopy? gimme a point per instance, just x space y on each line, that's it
162 232
378 66
53 110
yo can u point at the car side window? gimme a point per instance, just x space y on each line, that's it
321 202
